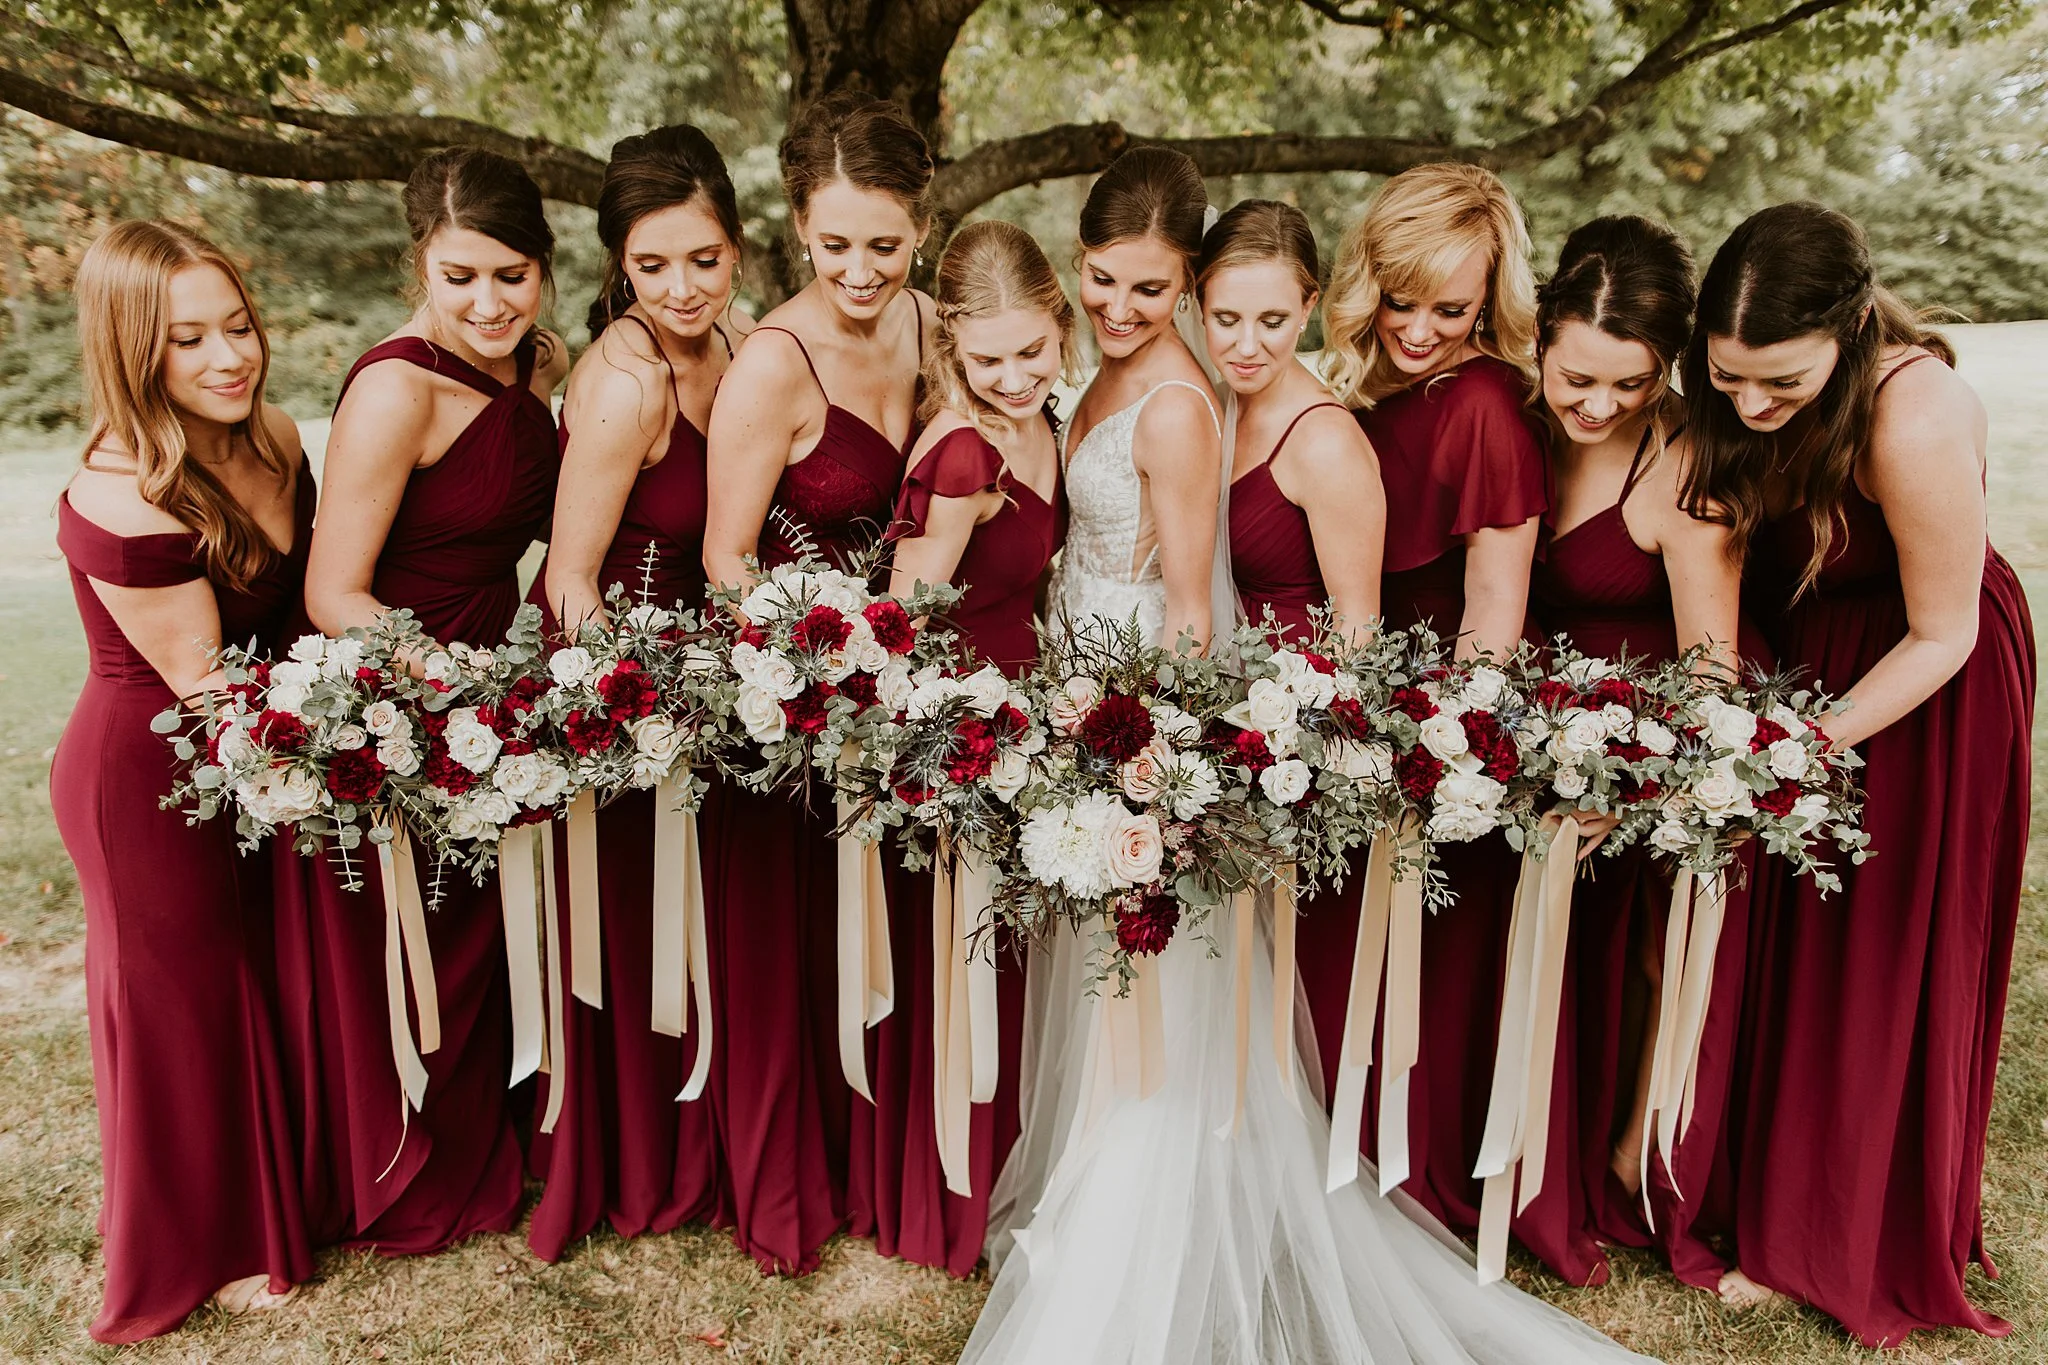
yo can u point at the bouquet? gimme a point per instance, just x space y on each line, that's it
1598 737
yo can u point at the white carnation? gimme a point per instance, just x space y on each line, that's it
344 657
1370 763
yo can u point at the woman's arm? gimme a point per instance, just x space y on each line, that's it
757 422
1706 581
378 438
1497 564
619 407
176 629
1179 455
1331 473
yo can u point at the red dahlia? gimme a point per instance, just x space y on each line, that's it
1145 924
355 776
891 625
821 629
1118 728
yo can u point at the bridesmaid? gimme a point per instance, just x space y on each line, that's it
1850 460
810 431
633 479
1431 332
981 507
1624 569
440 472
185 528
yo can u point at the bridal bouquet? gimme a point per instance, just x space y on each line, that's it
1598 737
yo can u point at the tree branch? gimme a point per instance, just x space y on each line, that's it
1395 18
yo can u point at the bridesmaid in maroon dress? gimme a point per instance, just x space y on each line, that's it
1625 570
440 473
623 1147
184 529
1850 459
981 507
808 435
1431 327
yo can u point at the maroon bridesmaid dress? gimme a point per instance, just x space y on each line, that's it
771 892
199 1171
1458 454
1872 1018
373 1178
1611 597
624 1148
900 1195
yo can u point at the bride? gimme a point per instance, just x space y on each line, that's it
1148 1229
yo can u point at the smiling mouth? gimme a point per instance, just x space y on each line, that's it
1016 400
1594 423
861 293
1120 329
233 389
493 329
1417 352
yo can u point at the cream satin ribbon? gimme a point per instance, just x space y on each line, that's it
555 1064
682 957
1244 921
1389 934
519 896
965 1060
586 954
1244 913
867 975
1285 924
406 951
1692 940
1515 1148
1127 1043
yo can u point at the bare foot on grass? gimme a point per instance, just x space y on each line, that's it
1740 1292
251 1294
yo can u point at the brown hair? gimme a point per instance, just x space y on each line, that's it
1793 270
1147 192
478 190
124 327
1256 231
989 267
869 143
647 173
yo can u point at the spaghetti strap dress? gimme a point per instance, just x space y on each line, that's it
913 1214
1872 1020
1458 454
1595 586
198 1168
376 1179
781 1101
625 1149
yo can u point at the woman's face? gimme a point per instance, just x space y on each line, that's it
480 293
1128 290
1010 358
681 265
861 243
1594 382
1423 335
1769 384
212 355
1253 316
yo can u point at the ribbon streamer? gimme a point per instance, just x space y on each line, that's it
1515 1148
406 952
1285 923
519 896
1243 912
555 1064
682 961
1389 934
867 976
1692 938
586 961
965 1061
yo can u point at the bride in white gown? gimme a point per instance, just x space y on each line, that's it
1147 1230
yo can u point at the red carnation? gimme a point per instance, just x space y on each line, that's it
821 629
512 748
891 625
1008 722
1413 703
751 634
531 816
1118 728
1768 732
1553 694
525 692
1418 771
1319 663
589 731
1349 716
913 793
974 751
1633 791
1491 744
1779 800
1616 692
806 710
370 677
280 731
1145 924
433 722
628 692
444 772
861 687
501 721
355 776
1252 750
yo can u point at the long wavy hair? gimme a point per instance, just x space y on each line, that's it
989 267
647 173
1790 271
1418 229
124 327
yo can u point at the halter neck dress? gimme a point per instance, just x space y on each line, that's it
198 1168
452 556
1872 1018
781 1101
624 1149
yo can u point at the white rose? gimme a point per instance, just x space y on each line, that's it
766 672
1789 760
697 659
1133 847
482 660
867 655
838 664
1309 685
286 697
1570 783
1577 732
383 719
769 599
518 775
1008 775
1195 785
349 737
296 794
656 739
893 687
550 784
1655 737
1729 726
1534 730
1583 673
1484 686
1811 811
1144 777
1671 837
930 692
441 667
569 667
1459 823
1370 763
470 742
1789 720
399 754
649 618
1072 703
1444 737
344 657
1286 782
1618 719
465 821
1269 705
307 649
761 713
843 592
1720 794
493 807
1176 724
1476 790
986 690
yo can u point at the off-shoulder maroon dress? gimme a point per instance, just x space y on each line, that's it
199 1171
1611 597
1872 1018
898 1189
624 1148
771 881
452 556
1457 455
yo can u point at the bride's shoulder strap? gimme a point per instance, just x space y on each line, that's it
1214 421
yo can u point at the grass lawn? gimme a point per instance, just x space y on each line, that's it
691 1296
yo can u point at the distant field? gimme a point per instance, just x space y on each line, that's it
691 1296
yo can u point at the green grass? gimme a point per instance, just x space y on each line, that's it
690 1296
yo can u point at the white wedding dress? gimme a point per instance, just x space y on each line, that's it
1130 1231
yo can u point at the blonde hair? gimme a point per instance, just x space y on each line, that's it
1418 229
124 327
989 267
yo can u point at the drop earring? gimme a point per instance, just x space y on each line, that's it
916 258
807 255
1182 306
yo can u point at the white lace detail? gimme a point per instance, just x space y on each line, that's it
1099 572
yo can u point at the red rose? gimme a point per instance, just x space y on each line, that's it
1778 800
355 776
1145 924
444 772
1349 716
1413 703
589 731
891 625
628 693
280 731
806 710
1118 728
1768 732
1491 744
821 629
1252 750
1418 771
1553 694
